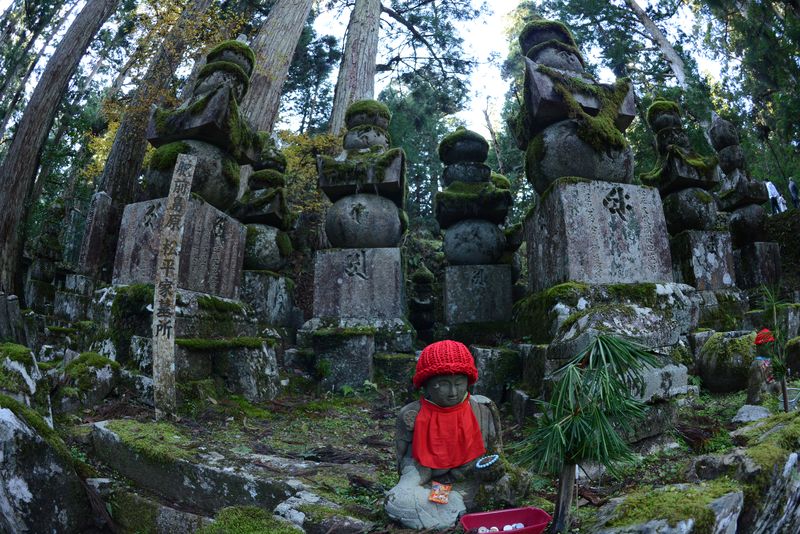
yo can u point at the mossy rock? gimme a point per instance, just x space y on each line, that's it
541 30
367 112
500 181
17 353
248 520
561 46
271 157
724 362
463 146
227 67
423 275
164 157
266 179
463 201
233 51
662 107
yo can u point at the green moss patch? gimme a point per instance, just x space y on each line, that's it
225 66
500 181
534 313
82 370
468 200
367 107
200 344
675 504
423 275
659 107
234 46
160 442
461 135
553 43
164 157
543 25
284 243
35 421
360 168
17 353
247 520
217 306
267 178
328 333
703 196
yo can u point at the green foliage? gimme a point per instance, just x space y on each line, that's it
247 520
159 442
591 397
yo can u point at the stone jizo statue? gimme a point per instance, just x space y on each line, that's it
441 437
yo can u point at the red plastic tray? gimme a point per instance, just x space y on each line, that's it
534 519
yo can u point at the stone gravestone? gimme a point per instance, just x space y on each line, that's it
477 284
701 252
359 284
166 285
756 262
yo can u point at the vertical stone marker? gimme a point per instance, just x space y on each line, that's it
166 285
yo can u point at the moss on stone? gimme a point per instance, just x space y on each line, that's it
553 43
722 350
225 66
358 167
231 172
533 314
366 128
643 293
352 331
159 442
703 196
247 520
659 107
423 275
675 504
403 215
367 107
459 136
163 158
134 513
564 180
234 46
35 421
82 370
214 305
682 355
500 181
251 236
284 243
17 353
771 442
266 178
543 24
201 344
468 197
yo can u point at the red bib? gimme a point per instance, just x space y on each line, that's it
446 437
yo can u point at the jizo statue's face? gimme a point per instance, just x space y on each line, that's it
446 390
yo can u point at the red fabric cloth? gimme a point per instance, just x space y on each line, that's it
445 358
763 337
446 437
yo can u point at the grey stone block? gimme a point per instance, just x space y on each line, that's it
689 209
249 372
758 264
71 306
741 192
497 368
663 382
93 246
533 362
523 406
477 293
343 359
597 233
77 283
703 259
384 176
211 253
271 297
362 283
391 335
363 221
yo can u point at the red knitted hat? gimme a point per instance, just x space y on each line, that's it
445 358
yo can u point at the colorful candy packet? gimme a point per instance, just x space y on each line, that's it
440 493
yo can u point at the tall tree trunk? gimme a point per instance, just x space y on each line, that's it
356 79
19 167
6 117
664 46
274 46
125 158
119 80
495 144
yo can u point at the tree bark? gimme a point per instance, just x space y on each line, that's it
669 53
356 79
124 162
19 167
274 46
566 490
495 143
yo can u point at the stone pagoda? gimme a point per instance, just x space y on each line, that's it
757 262
359 285
701 252
597 245
477 285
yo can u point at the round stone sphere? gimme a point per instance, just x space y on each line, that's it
558 58
558 152
690 209
473 242
233 52
363 221
723 134
466 172
463 145
747 225
216 175
261 251
730 158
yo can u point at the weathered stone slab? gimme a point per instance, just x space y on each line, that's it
391 335
77 283
659 417
342 358
703 259
533 361
271 297
264 206
71 306
39 296
385 176
724 361
92 254
359 283
249 372
135 513
212 249
40 491
201 487
496 368
477 293
757 264
597 233
523 406
677 175
742 193
663 382
12 326
545 106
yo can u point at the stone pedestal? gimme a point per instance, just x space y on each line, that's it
597 233
343 358
362 283
703 259
211 252
271 297
757 264
477 293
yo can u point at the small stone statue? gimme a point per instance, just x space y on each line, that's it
442 438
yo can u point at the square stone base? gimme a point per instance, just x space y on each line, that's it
271 297
477 293
343 359
757 264
597 233
360 283
703 259
212 250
